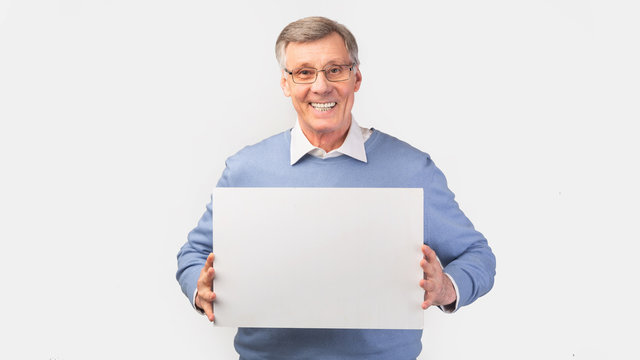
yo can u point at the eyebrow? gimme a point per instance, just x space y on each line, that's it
330 62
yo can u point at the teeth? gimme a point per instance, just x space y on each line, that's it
323 106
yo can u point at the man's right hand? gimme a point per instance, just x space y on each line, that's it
205 294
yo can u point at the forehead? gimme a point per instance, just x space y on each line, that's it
330 48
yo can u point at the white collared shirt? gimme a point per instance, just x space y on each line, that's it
353 145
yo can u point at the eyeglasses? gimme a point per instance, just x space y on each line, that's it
308 75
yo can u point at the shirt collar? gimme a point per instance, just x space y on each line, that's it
353 145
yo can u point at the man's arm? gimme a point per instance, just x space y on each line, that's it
195 272
462 250
195 265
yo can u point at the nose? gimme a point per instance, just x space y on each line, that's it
321 85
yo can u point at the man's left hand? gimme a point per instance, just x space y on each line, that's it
438 289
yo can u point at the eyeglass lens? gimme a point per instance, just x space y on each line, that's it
332 73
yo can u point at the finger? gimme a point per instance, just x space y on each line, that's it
205 281
206 295
210 275
205 306
425 304
209 263
428 300
424 265
429 254
428 269
208 310
429 286
426 285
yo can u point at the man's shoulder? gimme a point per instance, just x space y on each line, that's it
392 145
270 146
267 152
257 162
407 164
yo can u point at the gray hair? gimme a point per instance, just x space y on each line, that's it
314 28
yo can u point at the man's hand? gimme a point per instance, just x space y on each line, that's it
438 289
205 294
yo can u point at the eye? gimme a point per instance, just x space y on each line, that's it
304 72
335 69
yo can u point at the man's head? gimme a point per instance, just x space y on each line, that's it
314 28
323 102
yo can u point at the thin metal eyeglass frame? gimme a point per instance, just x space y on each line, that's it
318 71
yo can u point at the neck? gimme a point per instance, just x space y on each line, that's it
326 141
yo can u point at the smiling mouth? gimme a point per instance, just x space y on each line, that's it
323 106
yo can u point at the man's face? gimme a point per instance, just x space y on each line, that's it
312 100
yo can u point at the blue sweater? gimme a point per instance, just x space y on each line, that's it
463 251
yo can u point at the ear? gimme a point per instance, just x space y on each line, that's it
358 79
284 84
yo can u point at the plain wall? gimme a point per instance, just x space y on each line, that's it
116 118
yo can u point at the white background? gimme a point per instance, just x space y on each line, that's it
116 118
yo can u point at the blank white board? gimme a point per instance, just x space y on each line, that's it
318 257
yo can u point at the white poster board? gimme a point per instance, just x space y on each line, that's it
318 257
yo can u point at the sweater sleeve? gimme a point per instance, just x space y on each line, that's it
463 251
193 254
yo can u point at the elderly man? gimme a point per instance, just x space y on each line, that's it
327 148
